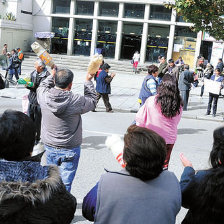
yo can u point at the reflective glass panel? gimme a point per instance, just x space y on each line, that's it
159 12
134 11
60 27
109 9
157 42
84 8
61 6
106 38
82 36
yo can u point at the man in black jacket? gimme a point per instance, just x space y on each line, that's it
36 77
185 80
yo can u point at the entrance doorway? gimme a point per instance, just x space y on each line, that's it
206 50
131 39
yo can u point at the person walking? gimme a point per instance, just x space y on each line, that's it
220 65
216 78
133 195
103 87
61 125
13 65
202 191
185 80
172 69
4 52
4 49
162 113
21 58
34 112
30 193
149 85
162 66
135 58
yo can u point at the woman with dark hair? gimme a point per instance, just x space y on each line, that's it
29 193
149 85
139 192
162 112
203 191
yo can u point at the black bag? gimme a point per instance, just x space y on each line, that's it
132 61
2 83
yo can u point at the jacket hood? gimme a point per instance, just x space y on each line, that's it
57 100
38 190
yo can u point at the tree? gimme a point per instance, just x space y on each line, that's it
206 15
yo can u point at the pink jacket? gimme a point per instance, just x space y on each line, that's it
150 116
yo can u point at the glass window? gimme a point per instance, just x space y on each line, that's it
84 8
60 27
134 11
184 44
131 39
157 42
61 6
106 38
180 19
159 12
109 9
82 36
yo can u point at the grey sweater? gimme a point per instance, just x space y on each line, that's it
61 125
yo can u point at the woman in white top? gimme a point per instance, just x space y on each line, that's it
136 58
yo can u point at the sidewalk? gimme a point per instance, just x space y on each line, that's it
125 91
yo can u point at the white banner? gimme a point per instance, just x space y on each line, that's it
212 86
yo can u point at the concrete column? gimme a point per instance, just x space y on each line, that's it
71 29
197 48
95 29
171 36
144 35
119 32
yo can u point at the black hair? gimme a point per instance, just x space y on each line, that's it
17 135
169 98
186 66
171 61
63 78
105 66
152 69
217 153
218 69
144 153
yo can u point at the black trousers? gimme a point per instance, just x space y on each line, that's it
34 113
211 97
185 96
105 100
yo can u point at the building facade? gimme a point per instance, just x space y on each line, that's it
117 28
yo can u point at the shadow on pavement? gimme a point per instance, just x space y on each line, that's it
94 142
189 131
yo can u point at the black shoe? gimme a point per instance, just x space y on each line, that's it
110 111
207 113
94 110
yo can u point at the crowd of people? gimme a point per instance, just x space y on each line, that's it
144 191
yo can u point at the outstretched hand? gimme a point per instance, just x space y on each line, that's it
89 77
185 161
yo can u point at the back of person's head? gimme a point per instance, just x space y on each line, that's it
152 69
171 61
217 153
105 66
63 78
17 135
5 45
186 66
169 98
144 153
220 59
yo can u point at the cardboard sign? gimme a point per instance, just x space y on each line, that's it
212 86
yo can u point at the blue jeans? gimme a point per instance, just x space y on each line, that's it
67 160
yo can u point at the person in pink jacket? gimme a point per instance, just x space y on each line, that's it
162 113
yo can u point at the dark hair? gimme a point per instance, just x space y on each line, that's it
169 98
171 61
63 78
218 69
186 66
152 69
217 153
17 135
144 153
105 66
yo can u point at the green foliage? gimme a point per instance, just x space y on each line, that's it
206 15
10 16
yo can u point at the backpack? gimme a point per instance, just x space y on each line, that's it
21 56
